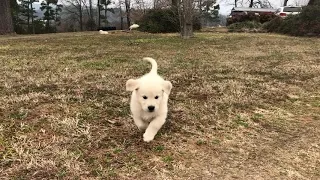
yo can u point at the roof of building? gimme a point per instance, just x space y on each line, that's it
253 9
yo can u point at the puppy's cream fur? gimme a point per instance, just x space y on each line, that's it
103 32
149 91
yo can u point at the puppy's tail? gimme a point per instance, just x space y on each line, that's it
154 65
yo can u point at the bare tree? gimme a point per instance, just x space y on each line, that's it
32 18
128 4
141 5
154 4
99 9
285 2
186 17
86 7
121 16
158 4
174 3
91 10
234 3
74 7
90 24
251 4
80 14
262 4
6 25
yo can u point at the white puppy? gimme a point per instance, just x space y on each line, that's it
103 32
149 101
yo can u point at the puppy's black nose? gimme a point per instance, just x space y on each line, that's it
151 108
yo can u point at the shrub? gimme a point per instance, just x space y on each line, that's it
163 21
39 27
196 22
273 25
305 23
246 26
262 18
266 17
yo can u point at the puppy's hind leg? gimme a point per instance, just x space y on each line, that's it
140 123
153 128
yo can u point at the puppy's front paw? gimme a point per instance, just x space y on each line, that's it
147 137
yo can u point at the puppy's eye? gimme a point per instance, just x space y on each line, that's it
145 97
156 97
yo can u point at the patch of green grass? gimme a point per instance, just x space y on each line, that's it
241 121
216 141
21 114
316 104
167 159
117 150
159 148
257 117
62 173
201 142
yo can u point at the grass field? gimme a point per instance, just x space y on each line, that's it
243 106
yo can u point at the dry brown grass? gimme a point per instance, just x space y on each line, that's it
243 106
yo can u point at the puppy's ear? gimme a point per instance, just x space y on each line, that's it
132 84
167 86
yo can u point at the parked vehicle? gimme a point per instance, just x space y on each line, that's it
239 14
239 11
288 10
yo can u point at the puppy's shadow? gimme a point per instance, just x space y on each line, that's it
170 126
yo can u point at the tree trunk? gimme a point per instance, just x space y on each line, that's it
127 3
90 9
121 17
48 20
235 3
105 15
98 13
93 24
6 25
28 11
285 2
55 19
186 17
174 3
33 30
80 16
251 4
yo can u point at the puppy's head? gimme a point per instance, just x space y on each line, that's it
149 94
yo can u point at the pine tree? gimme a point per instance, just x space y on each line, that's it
51 13
27 11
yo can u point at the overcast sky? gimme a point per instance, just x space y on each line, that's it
226 5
